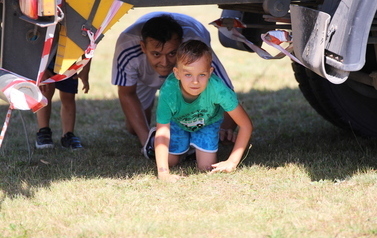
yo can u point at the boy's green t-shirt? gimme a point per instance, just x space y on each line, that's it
208 108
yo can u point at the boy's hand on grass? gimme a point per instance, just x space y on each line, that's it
171 178
224 166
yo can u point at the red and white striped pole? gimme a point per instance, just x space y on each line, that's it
5 126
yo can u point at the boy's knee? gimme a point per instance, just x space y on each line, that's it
173 160
205 160
204 167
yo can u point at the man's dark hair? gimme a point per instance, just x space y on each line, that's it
192 50
161 28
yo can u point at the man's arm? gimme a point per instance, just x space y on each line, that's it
135 115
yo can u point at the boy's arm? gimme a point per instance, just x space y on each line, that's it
245 129
161 143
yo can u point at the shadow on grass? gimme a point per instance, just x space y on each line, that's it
286 130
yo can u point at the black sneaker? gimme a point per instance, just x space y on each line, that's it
69 140
148 149
44 138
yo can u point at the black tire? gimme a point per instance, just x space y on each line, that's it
304 77
350 105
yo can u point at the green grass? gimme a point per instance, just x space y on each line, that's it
303 177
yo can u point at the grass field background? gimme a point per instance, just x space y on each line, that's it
303 177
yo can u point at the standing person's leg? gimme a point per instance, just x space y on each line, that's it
67 112
68 90
44 134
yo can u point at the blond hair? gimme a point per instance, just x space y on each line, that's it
192 50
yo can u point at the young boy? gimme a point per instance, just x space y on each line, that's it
144 56
190 111
68 89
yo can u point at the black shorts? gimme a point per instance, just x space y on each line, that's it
69 85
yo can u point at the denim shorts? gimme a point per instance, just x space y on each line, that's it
206 139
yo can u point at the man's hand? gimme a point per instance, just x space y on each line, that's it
227 136
227 132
